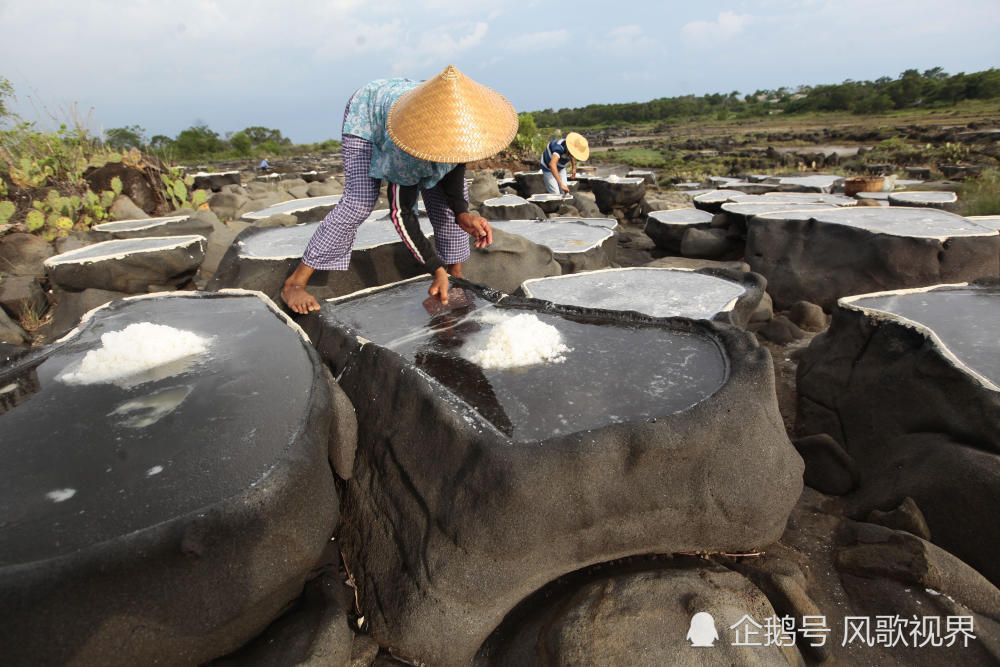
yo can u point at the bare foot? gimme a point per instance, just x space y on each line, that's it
298 299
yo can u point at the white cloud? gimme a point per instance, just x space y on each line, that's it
539 40
626 40
438 46
727 25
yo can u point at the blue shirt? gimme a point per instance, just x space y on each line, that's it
367 118
555 147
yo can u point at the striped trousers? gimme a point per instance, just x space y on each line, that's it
329 249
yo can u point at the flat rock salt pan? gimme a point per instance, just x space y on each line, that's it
136 349
514 342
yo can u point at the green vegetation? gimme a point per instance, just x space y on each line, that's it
6 90
912 89
201 143
528 139
982 195
41 172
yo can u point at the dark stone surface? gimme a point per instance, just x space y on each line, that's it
182 225
449 523
822 255
807 316
71 306
135 184
713 200
639 618
226 204
23 254
947 201
509 261
829 469
214 182
576 246
510 207
483 187
128 265
708 243
619 193
954 483
873 376
780 330
19 294
529 183
550 203
586 206
667 228
877 550
315 631
11 332
163 519
906 517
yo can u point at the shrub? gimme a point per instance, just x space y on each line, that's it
982 195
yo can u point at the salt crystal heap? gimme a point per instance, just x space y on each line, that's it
137 348
514 342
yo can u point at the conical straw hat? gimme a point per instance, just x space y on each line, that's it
578 146
451 118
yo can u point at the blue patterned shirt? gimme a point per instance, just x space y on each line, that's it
367 117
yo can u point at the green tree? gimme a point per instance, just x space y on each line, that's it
259 135
197 141
123 138
241 143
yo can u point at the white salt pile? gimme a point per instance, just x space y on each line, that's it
136 349
515 341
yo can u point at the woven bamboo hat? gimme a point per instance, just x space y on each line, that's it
578 146
451 118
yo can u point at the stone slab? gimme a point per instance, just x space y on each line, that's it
450 522
160 515
708 294
822 255
310 209
576 247
128 265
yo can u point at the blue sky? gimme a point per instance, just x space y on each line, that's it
291 66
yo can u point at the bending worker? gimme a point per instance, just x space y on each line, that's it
557 155
417 137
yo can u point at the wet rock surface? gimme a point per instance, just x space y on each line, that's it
164 482
509 261
442 526
706 294
312 209
821 255
667 228
128 265
906 382
577 247
176 225
510 207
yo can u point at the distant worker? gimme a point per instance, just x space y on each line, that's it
417 137
557 155
264 166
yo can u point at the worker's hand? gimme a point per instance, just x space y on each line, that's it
562 186
477 227
439 286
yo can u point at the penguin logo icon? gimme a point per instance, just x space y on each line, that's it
702 631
